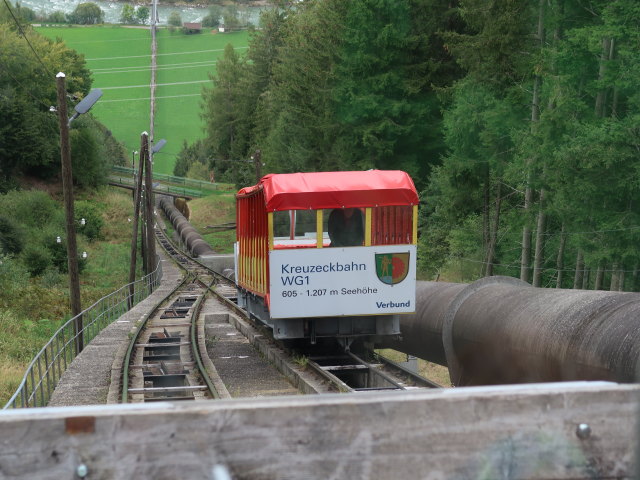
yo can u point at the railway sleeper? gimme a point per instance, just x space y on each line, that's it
175 313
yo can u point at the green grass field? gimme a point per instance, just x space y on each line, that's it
120 60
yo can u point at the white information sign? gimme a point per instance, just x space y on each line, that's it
321 282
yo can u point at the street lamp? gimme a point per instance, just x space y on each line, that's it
158 146
67 187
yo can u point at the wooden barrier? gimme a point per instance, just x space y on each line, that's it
559 431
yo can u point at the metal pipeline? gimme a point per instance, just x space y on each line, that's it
501 330
187 233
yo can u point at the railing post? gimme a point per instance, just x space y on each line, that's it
46 366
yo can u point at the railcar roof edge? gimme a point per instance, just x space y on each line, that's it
319 190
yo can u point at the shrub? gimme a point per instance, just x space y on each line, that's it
89 170
198 171
87 13
57 17
11 237
92 228
33 208
174 19
13 277
36 259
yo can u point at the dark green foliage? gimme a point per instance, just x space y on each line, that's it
128 14
23 123
381 112
56 17
29 132
25 14
142 14
517 120
36 259
57 252
87 13
176 21
334 85
92 217
11 236
212 19
13 277
31 208
230 17
296 113
87 159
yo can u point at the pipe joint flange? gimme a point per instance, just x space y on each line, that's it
455 368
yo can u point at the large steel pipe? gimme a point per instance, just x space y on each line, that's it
422 331
188 234
501 330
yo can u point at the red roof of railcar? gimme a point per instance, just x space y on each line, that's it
316 190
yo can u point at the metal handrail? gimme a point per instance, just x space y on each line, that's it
45 370
197 184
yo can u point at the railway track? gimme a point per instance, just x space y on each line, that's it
164 360
352 373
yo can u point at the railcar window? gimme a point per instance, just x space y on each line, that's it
306 223
281 224
295 228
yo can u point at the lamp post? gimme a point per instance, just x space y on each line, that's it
67 189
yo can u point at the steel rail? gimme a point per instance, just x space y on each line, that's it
416 377
132 343
195 347
377 371
197 354
330 377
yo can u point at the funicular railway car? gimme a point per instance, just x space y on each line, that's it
328 254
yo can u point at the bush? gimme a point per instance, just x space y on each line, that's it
57 17
11 237
174 19
92 215
13 277
87 13
89 170
212 20
32 208
128 14
198 171
36 259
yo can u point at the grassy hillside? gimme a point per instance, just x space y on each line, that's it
33 307
119 58
214 210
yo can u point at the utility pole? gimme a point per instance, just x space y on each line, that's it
150 220
67 189
137 194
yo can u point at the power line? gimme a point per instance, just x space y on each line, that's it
149 98
104 71
161 54
159 85
27 40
